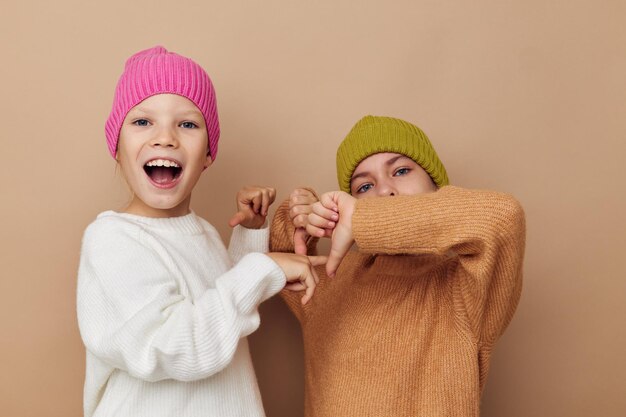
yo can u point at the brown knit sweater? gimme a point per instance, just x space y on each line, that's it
407 325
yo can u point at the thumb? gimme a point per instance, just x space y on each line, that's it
329 200
318 260
340 246
236 219
299 241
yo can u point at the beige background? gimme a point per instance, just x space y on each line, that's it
527 97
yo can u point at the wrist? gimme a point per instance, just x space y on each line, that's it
346 209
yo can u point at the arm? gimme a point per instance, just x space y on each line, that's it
485 229
282 233
132 314
244 241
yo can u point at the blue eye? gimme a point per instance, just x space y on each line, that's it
141 122
401 171
188 125
364 188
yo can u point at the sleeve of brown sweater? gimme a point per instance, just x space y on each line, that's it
485 229
281 240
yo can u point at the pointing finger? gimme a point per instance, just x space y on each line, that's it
299 241
237 219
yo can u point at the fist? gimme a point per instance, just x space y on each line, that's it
332 215
300 202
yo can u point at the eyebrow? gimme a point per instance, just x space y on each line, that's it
389 162
191 111
185 113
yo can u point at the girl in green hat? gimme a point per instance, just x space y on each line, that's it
404 325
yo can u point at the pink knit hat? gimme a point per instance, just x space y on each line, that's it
157 71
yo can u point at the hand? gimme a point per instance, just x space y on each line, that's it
332 205
253 203
300 202
300 271
322 219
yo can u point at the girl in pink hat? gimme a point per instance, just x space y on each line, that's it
163 306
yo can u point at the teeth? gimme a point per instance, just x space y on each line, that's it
162 163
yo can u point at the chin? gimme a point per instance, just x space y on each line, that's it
164 205
168 206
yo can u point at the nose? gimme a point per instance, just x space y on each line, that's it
386 189
165 138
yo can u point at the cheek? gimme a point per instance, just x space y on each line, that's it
199 150
127 150
417 184
128 166
128 174
426 185
124 157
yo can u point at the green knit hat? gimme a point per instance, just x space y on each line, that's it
375 134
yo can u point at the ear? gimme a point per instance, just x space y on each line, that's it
208 161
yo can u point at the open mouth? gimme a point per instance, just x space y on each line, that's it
163 172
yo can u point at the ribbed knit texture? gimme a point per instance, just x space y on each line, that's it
157 71
164 313
375 134
407 325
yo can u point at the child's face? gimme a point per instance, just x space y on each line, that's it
387 174
162 151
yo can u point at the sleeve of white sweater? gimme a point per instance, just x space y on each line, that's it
132 315
244 241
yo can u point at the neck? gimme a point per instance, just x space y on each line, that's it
140 208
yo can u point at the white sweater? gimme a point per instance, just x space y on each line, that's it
164 316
